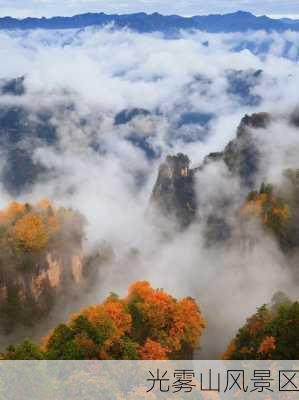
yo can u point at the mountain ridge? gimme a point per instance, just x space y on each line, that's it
239 21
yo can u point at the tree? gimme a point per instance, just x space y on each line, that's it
147 324
176 324
152 350
31 232
273 212
271 333
24 351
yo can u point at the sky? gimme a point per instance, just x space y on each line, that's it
39 8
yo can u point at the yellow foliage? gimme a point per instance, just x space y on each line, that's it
11 212
255 207
263 205
112 311
32 227
173 322
30 231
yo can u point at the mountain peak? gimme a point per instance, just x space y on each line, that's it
242 13
239 21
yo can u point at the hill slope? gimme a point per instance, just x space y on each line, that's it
235 22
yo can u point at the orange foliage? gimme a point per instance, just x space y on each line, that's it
32 227
258 321
173 322
264 204
267 345
111 314
188 318
11 212
255 325
113 311
229 351
153 351
30 231
155 305
45 341
255 207
141 289
148 324
245 350
44 204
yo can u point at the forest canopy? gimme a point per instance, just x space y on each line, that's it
36 228
270 334
147 324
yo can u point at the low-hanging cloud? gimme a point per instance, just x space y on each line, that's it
107 170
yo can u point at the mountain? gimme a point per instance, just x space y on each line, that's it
177 193
42 262
234 22
174 191
35 269
22 128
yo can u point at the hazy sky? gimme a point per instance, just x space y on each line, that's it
23 8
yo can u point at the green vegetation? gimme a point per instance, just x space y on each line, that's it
148 324
270 334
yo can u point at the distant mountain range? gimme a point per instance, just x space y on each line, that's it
235 22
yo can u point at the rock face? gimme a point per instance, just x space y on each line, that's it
127 115
27 297
13 87
242 155
41 262
18 131
241 83
174 191
24 128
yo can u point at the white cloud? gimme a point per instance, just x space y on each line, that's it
103 71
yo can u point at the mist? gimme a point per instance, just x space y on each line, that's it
106 170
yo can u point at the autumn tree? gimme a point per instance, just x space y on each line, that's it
146 324
270 334
28 234
274 212
176 324
35 227
152 350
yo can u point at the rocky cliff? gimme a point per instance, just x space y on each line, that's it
28 297
41 261
174 191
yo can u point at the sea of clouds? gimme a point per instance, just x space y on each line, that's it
100 171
